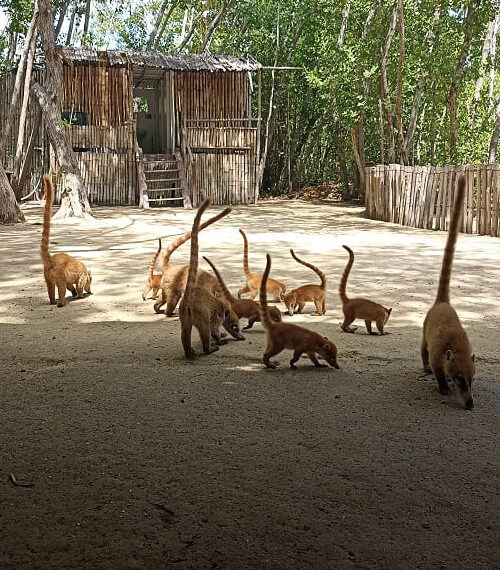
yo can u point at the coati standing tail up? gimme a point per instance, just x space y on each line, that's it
446 350
244 308
359 308
296 299
153 280
293 337
174 277
199 308
60 270
253 281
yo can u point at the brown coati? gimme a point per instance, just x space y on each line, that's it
199 308
174 277
446 350
60 270
244 308
153 280
296 299
293 337
274 287
359 308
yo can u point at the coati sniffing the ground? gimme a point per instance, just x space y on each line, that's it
296 299
244 308
199 308
60 270
445 350
154 280
359 308
274 287
293 337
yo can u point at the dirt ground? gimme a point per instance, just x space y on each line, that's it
127 456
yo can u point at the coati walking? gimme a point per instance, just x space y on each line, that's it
253 281
446 350
60 270
296 299
174 277
293 337
359 308
244 308
153 280
199 308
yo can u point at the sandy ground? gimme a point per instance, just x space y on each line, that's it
136 458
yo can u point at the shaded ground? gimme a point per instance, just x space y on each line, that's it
138 459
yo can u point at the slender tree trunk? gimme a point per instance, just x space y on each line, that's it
189 35
28 157
495 135
13 39
482 70
359 162
160 18
453 94
86 22
344 176
403 152
306 153
213 26
10 212
493 49
62 15
69 35
74 198
16 93
345 19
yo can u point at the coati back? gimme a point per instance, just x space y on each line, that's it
153 280
253 281
445 349
360 308
199 308
287 335
60 270
174 277
244 308
297 298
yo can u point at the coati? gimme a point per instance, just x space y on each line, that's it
253 281
199 308
359 308
296 299
287 335
153 280
446 350
60 270
244 308
174 277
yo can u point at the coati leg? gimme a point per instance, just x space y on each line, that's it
380 326
218 338
61 293
245 289
296 355
159 303
300 307
323 306
145 292
271 351
314 360
320 309
251 322
347 321
174 298
441 378
424 353
73 290
186 339
368 325
51 290
253 294
155 293
206 339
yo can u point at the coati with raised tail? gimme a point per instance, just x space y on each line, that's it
274 287
199 308
154 280
60 270
446 350
293 337
359 308
244 308
174 277
296 299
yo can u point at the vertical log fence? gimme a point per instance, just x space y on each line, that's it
422 196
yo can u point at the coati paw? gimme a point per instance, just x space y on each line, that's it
271 365
211 349
444 391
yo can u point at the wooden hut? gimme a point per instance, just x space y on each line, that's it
150 128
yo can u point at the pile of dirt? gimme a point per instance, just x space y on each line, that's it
323 191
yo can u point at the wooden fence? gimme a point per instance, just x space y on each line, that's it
422 196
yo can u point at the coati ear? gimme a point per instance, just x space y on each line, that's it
449 355
389 311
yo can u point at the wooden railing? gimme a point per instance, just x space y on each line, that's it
422 196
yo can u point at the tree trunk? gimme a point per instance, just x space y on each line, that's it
495 135
344 176
74 196
10 212
161 20
62 15
14 102
86 22
306 153
345 19
452 97
213 26
28 155
403 152
189 35
360 162
69 35
493 49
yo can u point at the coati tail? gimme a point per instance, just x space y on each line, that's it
443 293
153 262
193 263
264 309
47 214
225 291
318 272
184 238
246 267
345 275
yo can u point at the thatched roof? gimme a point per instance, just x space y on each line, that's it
160 61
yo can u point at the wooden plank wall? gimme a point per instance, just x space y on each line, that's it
422 196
